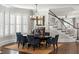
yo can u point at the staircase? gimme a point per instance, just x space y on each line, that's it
67 32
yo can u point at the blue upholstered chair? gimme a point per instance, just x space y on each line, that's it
24 40
56 40
18 36
34 41
53 41
30 39
21 39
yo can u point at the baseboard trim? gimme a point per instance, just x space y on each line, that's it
4 42
77 40
65 42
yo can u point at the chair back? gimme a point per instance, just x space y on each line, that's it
24 39
47 34
18 35
33 39
36 39
30 38
56 38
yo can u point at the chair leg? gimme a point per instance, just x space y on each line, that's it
54 46
29 45
18 44
33 47
23 45
39 45
46 44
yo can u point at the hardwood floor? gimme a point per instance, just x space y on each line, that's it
65 48
11 51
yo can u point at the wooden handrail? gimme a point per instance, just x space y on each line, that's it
57 18
60 19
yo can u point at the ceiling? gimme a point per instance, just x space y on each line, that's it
43 6
58 9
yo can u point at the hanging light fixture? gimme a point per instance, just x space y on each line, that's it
36 16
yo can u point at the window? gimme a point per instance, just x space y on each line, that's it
1 24
25 24
6 23
12 24
18 23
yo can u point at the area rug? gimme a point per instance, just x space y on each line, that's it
41 50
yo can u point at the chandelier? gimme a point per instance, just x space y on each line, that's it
36 16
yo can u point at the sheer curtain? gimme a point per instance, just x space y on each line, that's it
1 24
12 21
25 24
12 24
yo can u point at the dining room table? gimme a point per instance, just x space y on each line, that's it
43 38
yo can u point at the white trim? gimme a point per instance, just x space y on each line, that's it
4 42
